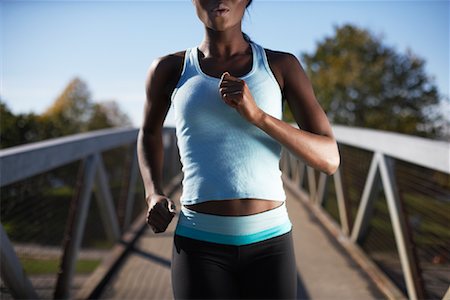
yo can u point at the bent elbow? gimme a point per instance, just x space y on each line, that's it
334 160
333 164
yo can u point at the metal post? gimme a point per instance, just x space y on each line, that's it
131 188
105 202
12 272
75 227
399 225
301 174
284 162
322 188
311 184
292 160
295 168
124 182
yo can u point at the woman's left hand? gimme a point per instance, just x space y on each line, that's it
235 93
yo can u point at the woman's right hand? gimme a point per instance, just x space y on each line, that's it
161 211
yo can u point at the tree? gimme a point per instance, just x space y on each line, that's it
107 114
70 112
74 111
361 82
17 129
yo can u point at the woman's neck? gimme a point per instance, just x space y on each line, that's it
223 43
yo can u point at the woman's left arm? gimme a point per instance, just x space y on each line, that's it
314 142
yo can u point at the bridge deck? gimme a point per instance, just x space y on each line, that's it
324 270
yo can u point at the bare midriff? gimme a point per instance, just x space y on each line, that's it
235 207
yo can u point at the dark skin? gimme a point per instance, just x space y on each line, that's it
225 54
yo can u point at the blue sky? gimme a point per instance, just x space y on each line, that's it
110 44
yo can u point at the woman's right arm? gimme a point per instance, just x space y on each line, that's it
159 85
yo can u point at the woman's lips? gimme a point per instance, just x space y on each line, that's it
220 10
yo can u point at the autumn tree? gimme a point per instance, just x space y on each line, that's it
73 111
359 81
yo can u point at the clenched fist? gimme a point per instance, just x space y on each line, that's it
235 93
161 211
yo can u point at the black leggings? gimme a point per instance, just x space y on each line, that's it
260 270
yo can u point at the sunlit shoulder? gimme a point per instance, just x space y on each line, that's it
283 64
164 71
167 63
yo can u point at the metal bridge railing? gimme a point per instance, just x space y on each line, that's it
399 236
389 206
52 235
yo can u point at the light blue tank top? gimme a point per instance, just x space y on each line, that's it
223 155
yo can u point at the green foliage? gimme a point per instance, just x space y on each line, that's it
361 82
72 112
35 266
17 129
107 114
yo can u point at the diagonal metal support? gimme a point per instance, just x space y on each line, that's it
322 188
342 204
75 227
370 192
105 202
131 188
12 272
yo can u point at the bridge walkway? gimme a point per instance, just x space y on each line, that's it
325 271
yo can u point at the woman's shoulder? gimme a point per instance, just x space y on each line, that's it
281 62
279 58
169 63
167 69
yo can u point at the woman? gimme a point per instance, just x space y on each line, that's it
233 238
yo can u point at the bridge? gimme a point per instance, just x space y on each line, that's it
73 219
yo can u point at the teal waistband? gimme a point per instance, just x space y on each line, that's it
233 230
237 240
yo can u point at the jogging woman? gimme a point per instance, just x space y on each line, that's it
233 238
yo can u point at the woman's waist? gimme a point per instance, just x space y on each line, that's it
234 230
235 207
229 224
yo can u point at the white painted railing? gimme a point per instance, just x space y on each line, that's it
21 162
386 147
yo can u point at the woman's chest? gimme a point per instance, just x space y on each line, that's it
199 99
